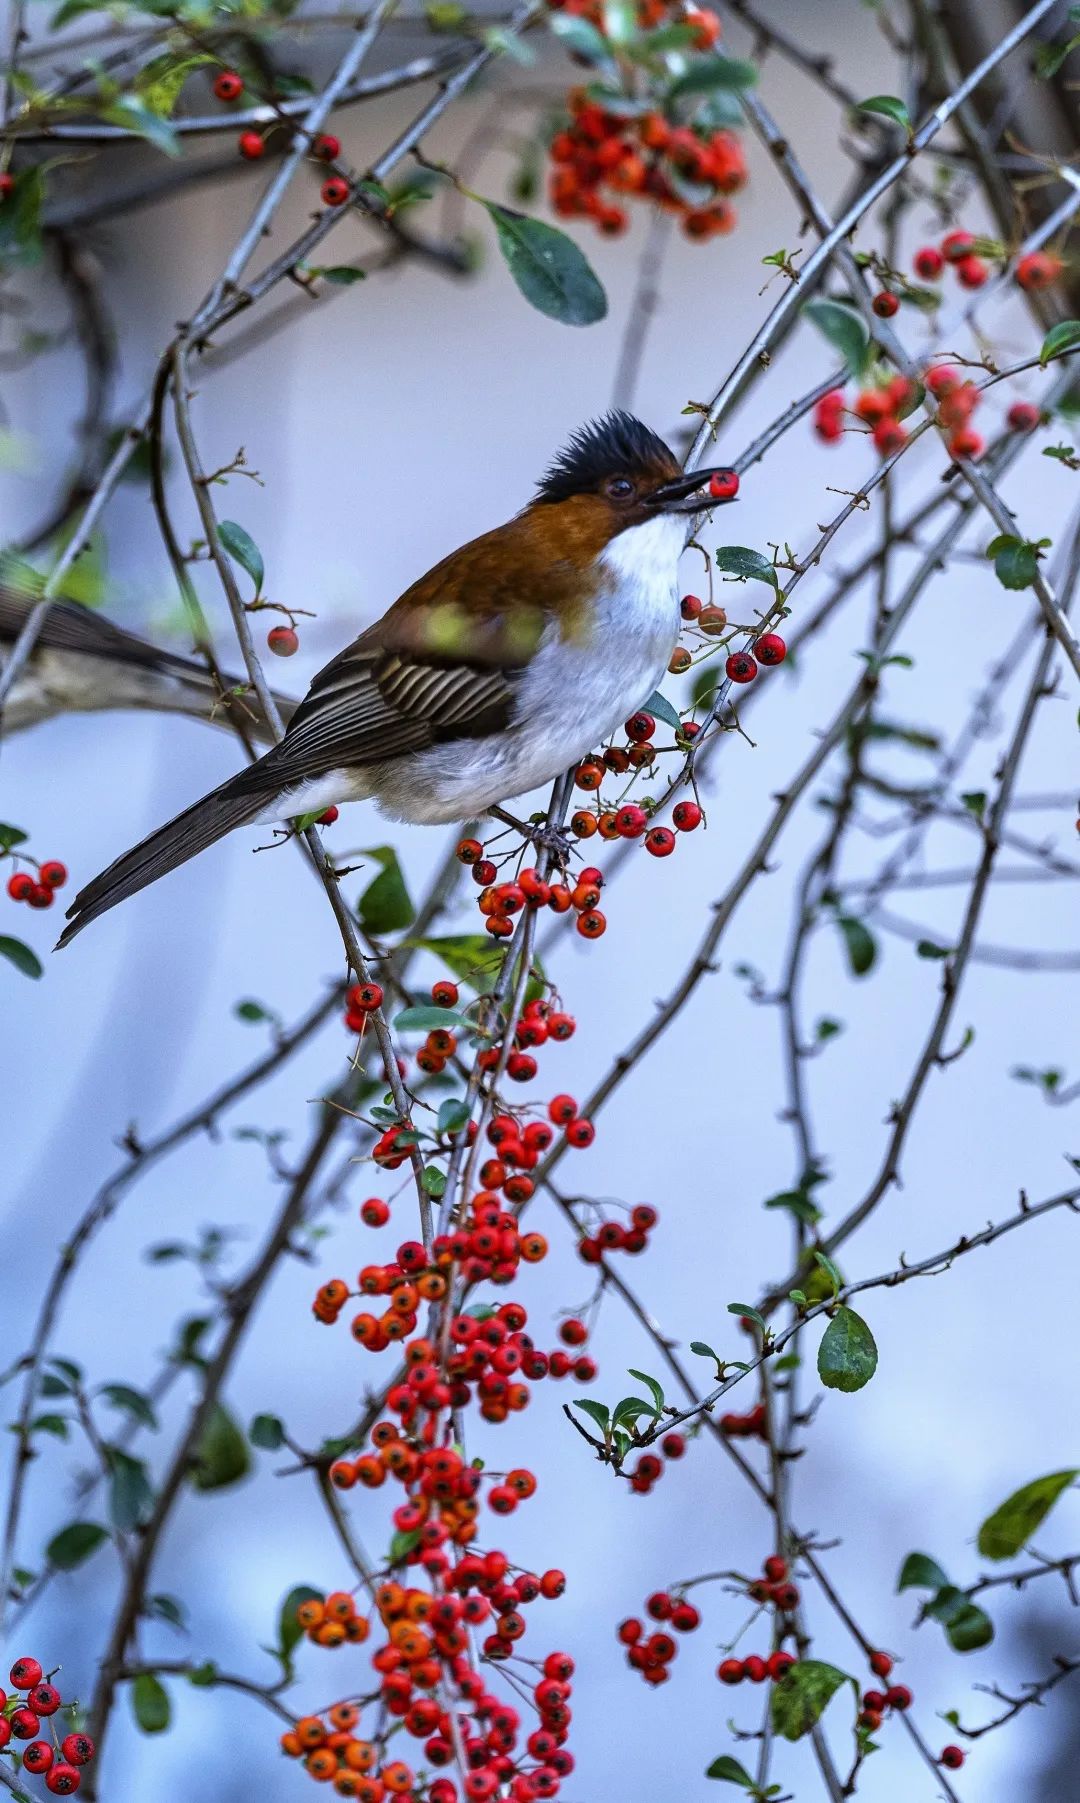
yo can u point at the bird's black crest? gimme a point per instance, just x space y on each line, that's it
616 445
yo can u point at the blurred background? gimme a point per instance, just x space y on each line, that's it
387 424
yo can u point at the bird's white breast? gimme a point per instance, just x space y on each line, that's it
581 683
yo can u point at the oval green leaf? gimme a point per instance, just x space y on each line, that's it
150 1701
845 329
21 956
552 273
847 1357
243 549
73 1544
802 1695
730 1770
1011 1526
1062 337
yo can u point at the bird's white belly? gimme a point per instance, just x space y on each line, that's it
574 693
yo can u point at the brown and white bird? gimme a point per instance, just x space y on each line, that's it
499 669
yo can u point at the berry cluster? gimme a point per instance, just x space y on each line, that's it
499 902
884 406
651 1654
37 1699
612 1236
650 1467
601 158
969 259
39 891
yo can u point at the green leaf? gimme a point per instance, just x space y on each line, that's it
549 269
802 1695
927 948
252 1011
708 73
653 1388
402 1544
433 1181
243 550
222 1456
1012 1524
11 836
847 1357
385 906
859 943
453 1116
832 1272
21 956
1049 57
1062 337
845 329
289 1629
626 1412
131 1500
267 1432
660 707
620 21
427 1018
889 107
166 1608
471 957
1015 562
580 37
343 275
135 116
132 1401
159 83
150 1702
596 1411
730 1770
739 560
746 1313
705 1351
73 1544
975 802
203 1676
967 1627
57 1425
920 1572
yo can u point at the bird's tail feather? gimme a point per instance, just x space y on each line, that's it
232 804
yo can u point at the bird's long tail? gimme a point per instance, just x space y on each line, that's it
235 802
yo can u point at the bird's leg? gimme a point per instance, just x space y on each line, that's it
555 839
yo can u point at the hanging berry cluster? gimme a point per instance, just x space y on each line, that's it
884 406
638 132
36 1702
37 891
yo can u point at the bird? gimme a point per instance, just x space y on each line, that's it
494 673
83 663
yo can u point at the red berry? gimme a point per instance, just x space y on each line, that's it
686 815
469 851
327 817
928 262
724 485
779 1663
78 1749
573 1332
955 246
741 667
640 727
25 1673
941 380
630 1630
1023 416
38 1756
580 1133
881 1664
673 1446
282 641
775 1568
334 191
898 1696
53 874
444 994
972 272
375 1212
562 1110
966 442
631 821
45 1698
24 1723
7 185
41 896
21 886
366 997
659 1605
770 648
63 1780
660 841
690 607
1038 270
889 437
251 146
327 148
755 1669
885 304
952 1757
730 1671
229 85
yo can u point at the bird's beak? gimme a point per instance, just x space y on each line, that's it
682 494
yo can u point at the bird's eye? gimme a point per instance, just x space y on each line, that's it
619 487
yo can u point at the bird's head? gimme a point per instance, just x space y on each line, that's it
619 474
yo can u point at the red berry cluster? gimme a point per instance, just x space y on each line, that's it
881 408
967 256
690 170
499 902
39 891
651 1653
612 1236
755 1668
21 1715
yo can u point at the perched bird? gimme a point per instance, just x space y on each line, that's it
499 669
82 663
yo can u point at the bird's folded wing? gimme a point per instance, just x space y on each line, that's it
377 700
